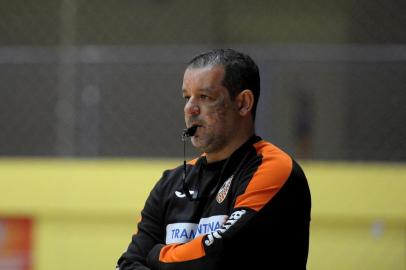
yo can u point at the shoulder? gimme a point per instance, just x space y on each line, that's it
266 175
273 159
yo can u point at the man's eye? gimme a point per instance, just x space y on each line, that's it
186 98
203 97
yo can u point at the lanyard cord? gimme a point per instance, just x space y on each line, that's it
187 133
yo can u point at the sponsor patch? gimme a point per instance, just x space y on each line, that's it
222 193
183 232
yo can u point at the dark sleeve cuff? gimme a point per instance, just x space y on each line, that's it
153 257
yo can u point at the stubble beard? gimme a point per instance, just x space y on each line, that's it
210 143
214 138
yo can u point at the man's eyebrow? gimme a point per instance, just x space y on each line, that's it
208 89
204 90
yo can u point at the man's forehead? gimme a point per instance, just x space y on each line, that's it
204 77
201 89
204 70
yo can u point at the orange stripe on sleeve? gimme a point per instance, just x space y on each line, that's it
269 178
183 252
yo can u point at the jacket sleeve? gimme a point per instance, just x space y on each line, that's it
257 187
203 252
149 233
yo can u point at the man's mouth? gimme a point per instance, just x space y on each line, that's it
195 127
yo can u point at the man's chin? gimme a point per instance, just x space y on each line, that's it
198 144
195 142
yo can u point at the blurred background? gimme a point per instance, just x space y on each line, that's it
91 113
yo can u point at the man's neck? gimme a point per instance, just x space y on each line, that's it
229 149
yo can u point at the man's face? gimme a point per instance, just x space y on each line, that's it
208 105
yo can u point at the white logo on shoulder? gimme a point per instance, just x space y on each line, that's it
183 195
183 232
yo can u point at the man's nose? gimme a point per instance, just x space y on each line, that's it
191 108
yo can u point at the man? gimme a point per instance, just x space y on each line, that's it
244 202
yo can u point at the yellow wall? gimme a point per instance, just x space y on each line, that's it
359 216
86 210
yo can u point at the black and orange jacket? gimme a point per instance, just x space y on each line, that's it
251 211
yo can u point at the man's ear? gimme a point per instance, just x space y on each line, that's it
245 102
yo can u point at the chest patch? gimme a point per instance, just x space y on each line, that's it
183 232
222 193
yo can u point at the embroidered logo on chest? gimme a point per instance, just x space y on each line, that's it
221 195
